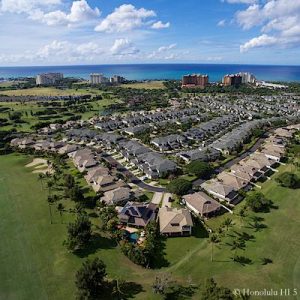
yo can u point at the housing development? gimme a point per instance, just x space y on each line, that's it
176 179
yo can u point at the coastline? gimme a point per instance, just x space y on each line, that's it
159 71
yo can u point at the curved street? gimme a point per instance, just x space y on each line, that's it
131 177
234 161
135 180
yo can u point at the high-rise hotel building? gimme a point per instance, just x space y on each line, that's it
195 80
96 78
48 78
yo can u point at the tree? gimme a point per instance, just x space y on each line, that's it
60 208
179 186
211 291
109 218
213 240
227 223
90 279
69 181
41 178
50 186
289 180
75 194
237 244
200 168
50 202
168 288
242 214
161 284
79 233
257 202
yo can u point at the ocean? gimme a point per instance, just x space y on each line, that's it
159 71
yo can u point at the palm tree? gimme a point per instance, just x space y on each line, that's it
237 244
227 223
117 288
242 214
50 201
50 186
213 240
60 208
41 178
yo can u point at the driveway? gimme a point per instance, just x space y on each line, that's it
157 198
166 198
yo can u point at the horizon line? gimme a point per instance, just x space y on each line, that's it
137 64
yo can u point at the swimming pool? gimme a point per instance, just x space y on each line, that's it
133 237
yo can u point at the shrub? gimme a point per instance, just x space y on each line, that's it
179 186
258 202
289 180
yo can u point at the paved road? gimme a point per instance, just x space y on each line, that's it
234 161
132 178
135 180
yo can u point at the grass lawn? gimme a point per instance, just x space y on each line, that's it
279 242
35 264
7 84
28 107
150 85
49 91
189 177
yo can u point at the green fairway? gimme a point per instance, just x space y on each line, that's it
33 260
35 264
29 109
49 91
150 85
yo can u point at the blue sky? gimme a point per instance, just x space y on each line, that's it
59 32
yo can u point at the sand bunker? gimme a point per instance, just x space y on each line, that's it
37 161
40 165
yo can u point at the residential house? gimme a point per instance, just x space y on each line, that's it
155 165
273 152
83 159
220 190
202 205
170 142
138 214
175 222
117 196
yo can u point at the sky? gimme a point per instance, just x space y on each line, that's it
66 32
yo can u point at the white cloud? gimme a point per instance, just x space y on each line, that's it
43 12
25 6
125 18
80 12
261 41
163 52
221 23
240 1
250 17
122 47
166 48
214 58
67 51
280 19
160 25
